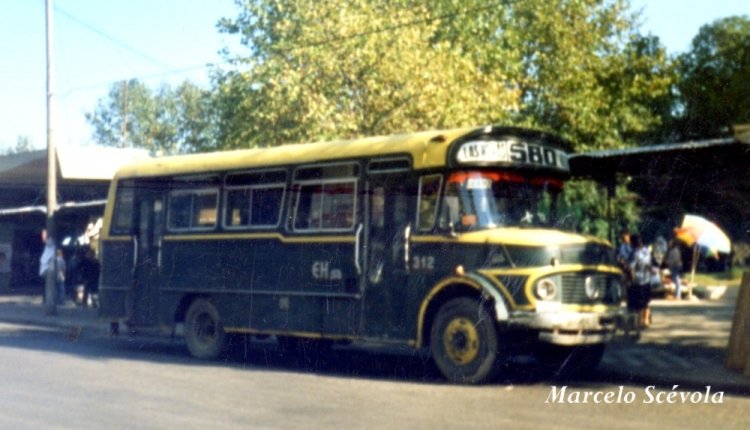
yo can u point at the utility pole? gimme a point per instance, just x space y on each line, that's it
50 296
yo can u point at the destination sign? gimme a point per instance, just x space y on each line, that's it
511 151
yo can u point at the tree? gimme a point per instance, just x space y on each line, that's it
341 69
346 68
338 69
163 121
23 144
585 71
715 86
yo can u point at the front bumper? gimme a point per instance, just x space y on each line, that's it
578 328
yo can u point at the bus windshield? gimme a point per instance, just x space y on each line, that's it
485 199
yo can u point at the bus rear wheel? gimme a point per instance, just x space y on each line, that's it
204 332
464 342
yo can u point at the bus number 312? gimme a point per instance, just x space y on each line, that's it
423 262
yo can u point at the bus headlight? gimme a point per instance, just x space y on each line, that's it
592 288
546 289
615 291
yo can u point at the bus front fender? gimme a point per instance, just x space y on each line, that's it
490 291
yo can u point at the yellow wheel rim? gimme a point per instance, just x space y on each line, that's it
461 341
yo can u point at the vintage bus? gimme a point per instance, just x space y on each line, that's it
445 241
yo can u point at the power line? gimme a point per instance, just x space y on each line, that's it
147 77
330 41
112 39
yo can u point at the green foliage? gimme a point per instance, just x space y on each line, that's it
338 69
715 85
341 68
23 144
587 203
586 73
164 121
349 68
345 68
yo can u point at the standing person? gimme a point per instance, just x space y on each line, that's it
46 263
60 276
625 252
674 261
639 293
89 269
660 249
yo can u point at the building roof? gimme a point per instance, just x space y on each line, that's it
698 155
83 175
74 163
707 177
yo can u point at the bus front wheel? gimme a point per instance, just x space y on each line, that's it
464 342
204 332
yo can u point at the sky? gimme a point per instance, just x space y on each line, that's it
97 43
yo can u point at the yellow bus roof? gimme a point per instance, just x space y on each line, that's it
427 149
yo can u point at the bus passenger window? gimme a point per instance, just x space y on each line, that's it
192 210
325 207
204 210
266 206
253 207
179 211
307 214
338 206
237 212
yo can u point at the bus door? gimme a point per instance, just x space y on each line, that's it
148 238
390 211
322 272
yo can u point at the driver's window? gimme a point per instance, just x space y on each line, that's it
429 193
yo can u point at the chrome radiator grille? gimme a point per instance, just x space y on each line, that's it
574 288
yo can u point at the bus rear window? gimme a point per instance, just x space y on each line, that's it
122 222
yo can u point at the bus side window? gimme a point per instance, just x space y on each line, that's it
237 212
192 210
308 211
325 207
253 199
429 193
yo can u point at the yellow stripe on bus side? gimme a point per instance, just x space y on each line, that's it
261 236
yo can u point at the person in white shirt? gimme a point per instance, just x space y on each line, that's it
639 293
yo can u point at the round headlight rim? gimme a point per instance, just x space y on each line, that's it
617 289
548 293
593 291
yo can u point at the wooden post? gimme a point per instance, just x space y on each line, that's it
738 350
50 290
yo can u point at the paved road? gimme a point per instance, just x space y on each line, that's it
54 378
686 344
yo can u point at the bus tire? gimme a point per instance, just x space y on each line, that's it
204 332
464 342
